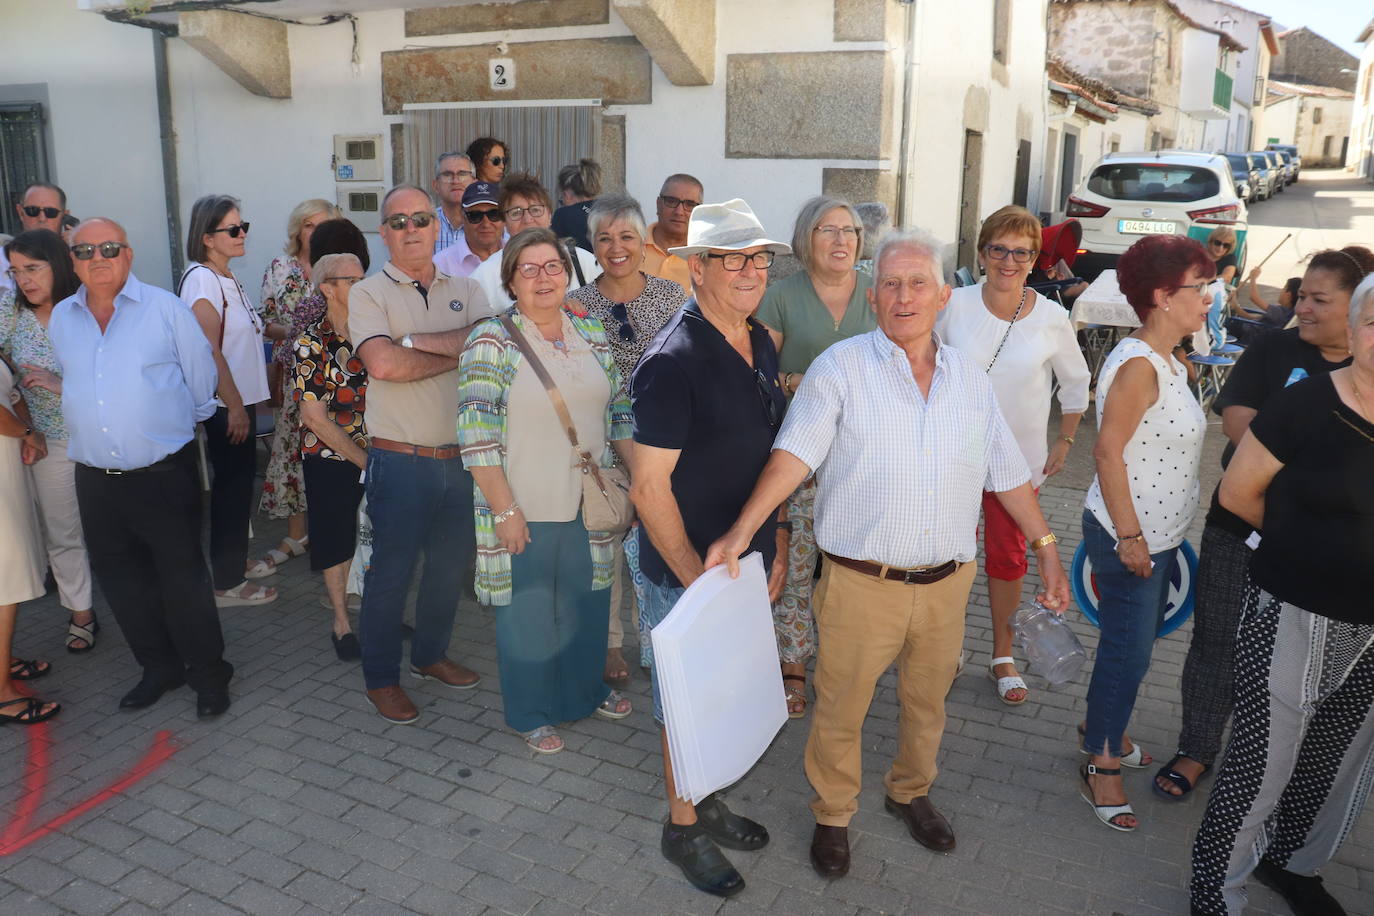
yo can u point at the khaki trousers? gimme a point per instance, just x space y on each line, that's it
864 624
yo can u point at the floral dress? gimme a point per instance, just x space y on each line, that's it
284 289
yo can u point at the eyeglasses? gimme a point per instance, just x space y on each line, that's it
1199 288
349 280
765 389
736 260
530 271
459 175
499 160
49 212
1019 255
234 231
833 232
475 216
621 314
519 213
1217 243
14 273
420 219
672 203
108 250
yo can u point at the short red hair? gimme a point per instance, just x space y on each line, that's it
1159 262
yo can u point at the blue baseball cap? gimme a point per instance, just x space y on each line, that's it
481 192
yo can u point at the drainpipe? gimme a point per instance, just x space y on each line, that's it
914 18
167 135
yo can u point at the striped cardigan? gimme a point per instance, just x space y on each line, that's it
486 370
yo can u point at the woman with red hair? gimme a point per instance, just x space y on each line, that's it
1143 498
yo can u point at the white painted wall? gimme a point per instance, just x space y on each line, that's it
274 153
1361 157
103 109
1129 132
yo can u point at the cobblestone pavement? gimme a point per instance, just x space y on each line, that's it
301 800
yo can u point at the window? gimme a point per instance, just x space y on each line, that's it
1165 183
23 157
1317 115
1001 30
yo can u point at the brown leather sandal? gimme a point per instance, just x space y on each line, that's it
796 695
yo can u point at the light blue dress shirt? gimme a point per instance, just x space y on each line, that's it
132 395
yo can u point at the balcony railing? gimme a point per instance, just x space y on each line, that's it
1221 91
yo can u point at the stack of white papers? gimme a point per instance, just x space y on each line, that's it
717 662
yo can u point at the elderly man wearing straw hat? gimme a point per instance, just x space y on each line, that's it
706 407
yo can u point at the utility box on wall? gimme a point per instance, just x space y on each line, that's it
357 157
362 204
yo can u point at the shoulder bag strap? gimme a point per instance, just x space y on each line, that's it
571 248
223 299
560 406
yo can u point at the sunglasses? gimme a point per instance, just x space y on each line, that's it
530 271
518 213
621 314
49 212
108 250
476 216
1216 244
234 231
765 388
499 160
1019 255
672 203
736 261
399 221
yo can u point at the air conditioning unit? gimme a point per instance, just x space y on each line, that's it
362 204
357 157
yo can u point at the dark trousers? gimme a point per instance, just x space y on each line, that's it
419 507
1222 576
231 497
143 535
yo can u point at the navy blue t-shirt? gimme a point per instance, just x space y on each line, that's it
570 222
692 392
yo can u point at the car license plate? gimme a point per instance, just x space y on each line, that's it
1146 227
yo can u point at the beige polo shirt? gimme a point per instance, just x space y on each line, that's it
389 304
660 263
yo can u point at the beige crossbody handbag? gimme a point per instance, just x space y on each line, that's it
606 502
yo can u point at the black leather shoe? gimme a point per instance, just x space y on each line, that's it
211 703
346 647
830 851
701 861
1304 893
727 828
148 691
927 826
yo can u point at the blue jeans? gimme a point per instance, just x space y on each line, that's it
418 507
551 638
1130 610
654 605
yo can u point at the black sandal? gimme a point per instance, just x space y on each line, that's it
1178 779
31 714
28 669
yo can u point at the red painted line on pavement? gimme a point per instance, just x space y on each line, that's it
17 835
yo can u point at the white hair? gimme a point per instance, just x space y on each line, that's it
918 240
1360 298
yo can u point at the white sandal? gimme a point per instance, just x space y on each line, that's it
1135 759
1105 813
1007 684
241 596
610 707
268 563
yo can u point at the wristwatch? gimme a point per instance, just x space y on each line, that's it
408 342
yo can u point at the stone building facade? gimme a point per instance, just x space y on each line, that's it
1307 58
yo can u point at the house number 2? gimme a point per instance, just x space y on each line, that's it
502 73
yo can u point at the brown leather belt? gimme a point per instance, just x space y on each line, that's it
925 576
419 451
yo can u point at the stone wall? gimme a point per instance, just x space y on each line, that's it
1306 57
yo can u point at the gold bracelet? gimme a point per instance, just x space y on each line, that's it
1045 541
1068 439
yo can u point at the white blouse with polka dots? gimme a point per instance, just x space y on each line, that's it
1162 457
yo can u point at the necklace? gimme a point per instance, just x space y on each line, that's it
1360 397
1015 315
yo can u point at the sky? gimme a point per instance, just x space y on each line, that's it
1338 21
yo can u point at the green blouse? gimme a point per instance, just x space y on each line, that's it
792 308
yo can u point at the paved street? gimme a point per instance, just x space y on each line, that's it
301 800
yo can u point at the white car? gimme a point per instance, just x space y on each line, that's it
1165 192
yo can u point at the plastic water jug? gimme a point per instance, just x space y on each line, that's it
1050 647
